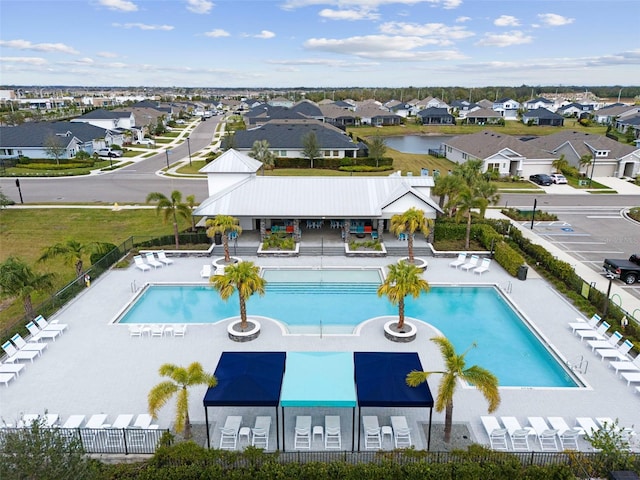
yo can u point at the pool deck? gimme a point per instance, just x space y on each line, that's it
97 367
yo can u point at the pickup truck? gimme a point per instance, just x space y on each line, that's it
626 270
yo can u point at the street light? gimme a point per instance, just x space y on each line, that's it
189 148
533 214
167 152
606 300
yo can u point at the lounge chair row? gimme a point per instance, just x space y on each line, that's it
233 431
612 348
471 265
17 349
208 270
374 435
157 330
151 261
552 436
330 433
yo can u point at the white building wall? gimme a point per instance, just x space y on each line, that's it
216 182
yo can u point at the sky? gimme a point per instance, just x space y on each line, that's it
319 43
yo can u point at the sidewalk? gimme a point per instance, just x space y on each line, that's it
627 301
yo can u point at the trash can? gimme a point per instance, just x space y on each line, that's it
217 238
522 272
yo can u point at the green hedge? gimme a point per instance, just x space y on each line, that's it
331 162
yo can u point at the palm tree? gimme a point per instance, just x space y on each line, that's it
488 191
260 151
585 161
403 279
243 277
224 225
17 279
409 222
455 368
446 187
170 209
72 253
560 164
466 201
181 379
190 201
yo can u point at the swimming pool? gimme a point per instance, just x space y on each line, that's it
505 344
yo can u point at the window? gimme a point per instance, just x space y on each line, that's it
602 153
282 153
336 153
327 153
493 167
464 156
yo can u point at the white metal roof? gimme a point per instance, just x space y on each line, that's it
232 161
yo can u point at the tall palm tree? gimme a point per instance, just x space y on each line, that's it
466 201
243 277
446 187
455 368
409 222
560 164
403 279
170 208
224 225
190 202
17 279
260 151
181 379
488 191
72 252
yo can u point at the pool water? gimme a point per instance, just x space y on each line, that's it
465 315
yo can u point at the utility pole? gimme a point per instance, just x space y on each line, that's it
189 148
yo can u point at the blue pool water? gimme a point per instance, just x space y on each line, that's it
505 345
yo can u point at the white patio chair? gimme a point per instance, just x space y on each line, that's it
43 324
20 344
546 436
332 435
372 438
14 355
597 334
151 260
180 330
139 262
623 366
587 425
12 368
157 330
618 354
462 257
568 436
631 377
484 266
162 257
260 432
38 335
135 330
519 436
401 432
302 436
611 342
497 435
472 263
229 437
205 272
6 378
590 324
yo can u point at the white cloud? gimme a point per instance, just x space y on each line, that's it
395 48
218 32
554 20
350 15
107 54
506 21
38 47
24 60
367 4
462 19
506 39
121 5
199 6
265 34
441 33
144 26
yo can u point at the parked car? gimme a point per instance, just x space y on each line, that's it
541 179
109 152
626 270
558 178
145 141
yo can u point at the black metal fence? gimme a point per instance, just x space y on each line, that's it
103 440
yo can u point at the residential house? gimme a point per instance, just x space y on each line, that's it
543 117
399 108
281 102
109 119
484 103
507 107
430 101
435 116
462 108
286 138
338 116
36 140
539 102
609 114
609 157
265 113
370 114
629 122
484 116
500 153
336 204
577 110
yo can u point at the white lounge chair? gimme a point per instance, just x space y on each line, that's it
587 425
619 353
162 257
590 324
610 342
631 377
206 271
143 421
597 334
519 436
546 436
372 438
568 436
302 437
260 432
401 432
151 260
13 368
462 257
43 324
96 421
157 330
6 378
122 421
229 436
74 421
632 366
139 262
497 435
38 335
20 344
14 355
332 434
180 330
135 330
484 266
472 263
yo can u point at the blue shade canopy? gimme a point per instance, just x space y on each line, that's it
381 380
318 379
247 379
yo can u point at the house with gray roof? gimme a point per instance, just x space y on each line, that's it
500 153
539 102
292 204
371 114
462 108
608 115
577 110
609 157
483 116
435 116
108 119
340 117
507 107
542 116
286 138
